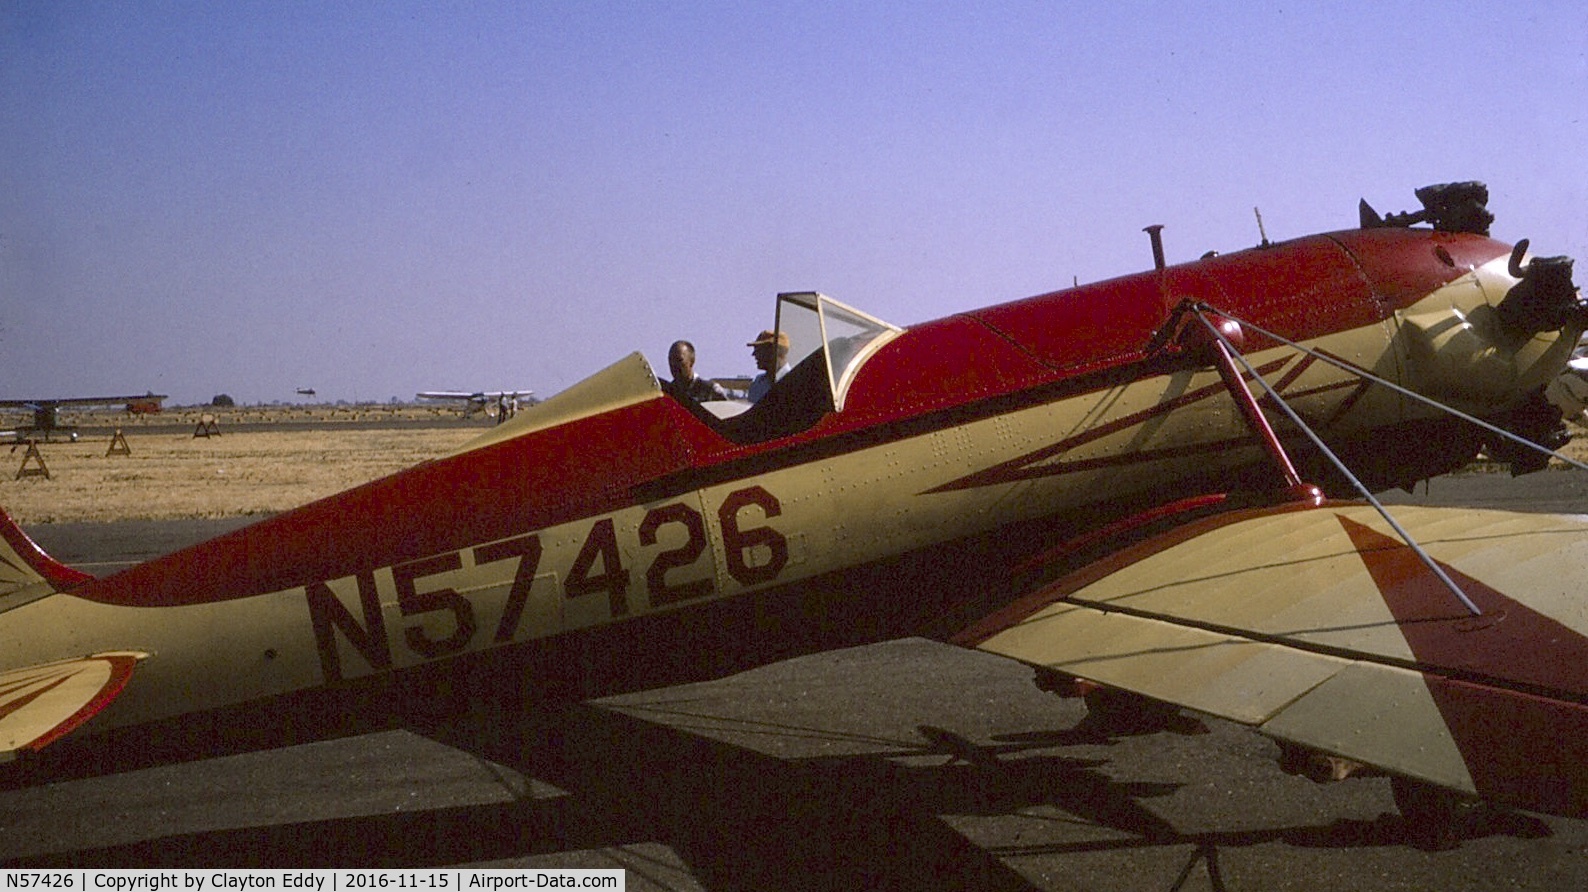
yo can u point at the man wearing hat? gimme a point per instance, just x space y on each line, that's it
771 357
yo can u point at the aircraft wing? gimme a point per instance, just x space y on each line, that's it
450 395
80 401
1320 628
471 394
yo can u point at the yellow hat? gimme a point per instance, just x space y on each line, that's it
767 337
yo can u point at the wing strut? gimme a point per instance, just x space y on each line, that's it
1222 353
1225 353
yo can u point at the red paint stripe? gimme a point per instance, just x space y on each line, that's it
528 483
7 690
1528 748
12 706
121 666
1520 749
1511 641
120 670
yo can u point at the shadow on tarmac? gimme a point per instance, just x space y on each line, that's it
739 818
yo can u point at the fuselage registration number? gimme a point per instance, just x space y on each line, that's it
753 553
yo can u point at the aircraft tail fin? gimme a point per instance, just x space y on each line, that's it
26 572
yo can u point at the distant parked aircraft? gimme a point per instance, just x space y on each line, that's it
498 404
46 418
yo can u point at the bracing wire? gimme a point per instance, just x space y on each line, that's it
1369 376
1335 460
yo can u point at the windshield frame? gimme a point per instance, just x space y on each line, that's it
846 336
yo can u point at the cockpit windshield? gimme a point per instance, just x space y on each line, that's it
847 337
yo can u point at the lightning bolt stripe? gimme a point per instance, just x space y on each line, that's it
1036 464
1511 643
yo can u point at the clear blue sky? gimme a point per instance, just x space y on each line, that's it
376 198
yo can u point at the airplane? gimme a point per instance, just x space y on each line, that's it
499 404
46 418
1157 491
305 391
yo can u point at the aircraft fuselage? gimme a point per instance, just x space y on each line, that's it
637 544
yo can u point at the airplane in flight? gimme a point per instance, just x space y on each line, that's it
499 404
1157 491
46 413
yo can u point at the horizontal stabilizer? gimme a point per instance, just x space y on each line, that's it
1321 628
39 704
26 572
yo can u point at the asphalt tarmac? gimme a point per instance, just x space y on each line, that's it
907 764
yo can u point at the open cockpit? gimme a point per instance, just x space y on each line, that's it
828 342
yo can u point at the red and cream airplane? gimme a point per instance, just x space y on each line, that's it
1154 488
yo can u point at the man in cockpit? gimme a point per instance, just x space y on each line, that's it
771 357
685 386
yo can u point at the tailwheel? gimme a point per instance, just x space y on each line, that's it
1319 767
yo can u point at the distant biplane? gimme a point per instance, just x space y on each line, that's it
498 404
1155 490
46 413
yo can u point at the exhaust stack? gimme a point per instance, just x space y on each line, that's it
1155 232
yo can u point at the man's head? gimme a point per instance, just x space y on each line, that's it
681 361
770 350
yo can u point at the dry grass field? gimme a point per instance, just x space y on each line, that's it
241 472
230 417
250 469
